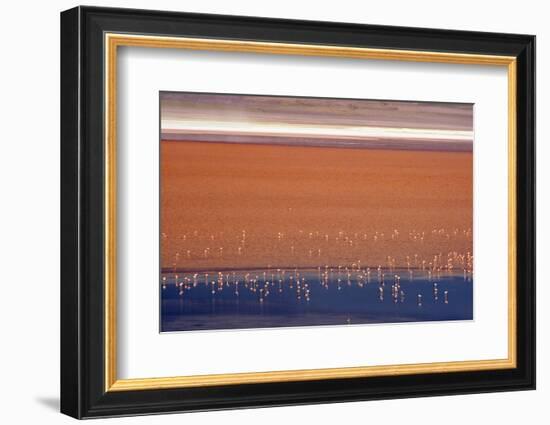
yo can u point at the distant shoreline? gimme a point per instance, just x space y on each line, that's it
431 145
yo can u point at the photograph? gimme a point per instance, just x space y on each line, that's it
282 211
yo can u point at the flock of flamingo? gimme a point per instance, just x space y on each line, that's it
315 258
198 246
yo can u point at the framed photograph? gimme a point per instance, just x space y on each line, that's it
261 212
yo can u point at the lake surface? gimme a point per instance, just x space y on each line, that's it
244 299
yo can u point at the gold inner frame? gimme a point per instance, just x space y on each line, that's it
113 41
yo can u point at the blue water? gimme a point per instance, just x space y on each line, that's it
193 304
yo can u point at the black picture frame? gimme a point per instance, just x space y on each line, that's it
83 392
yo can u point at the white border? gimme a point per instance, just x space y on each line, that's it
143 352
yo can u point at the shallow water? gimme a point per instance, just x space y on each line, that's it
244 299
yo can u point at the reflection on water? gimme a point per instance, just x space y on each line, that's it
261 298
